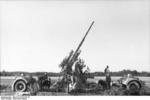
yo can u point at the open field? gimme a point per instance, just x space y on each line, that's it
6 82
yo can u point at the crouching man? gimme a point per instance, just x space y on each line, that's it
33 86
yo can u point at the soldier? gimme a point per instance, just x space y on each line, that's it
33 86
108 77
42 80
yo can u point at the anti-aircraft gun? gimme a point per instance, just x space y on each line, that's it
68 63
73 56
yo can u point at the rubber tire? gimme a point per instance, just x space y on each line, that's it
133 87
23 84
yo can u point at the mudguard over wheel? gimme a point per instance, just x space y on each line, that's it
133 87
20 86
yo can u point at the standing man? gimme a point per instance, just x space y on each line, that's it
108 77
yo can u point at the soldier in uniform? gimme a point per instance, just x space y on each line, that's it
43 81
33 86
108 77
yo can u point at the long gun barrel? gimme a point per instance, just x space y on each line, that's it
83 39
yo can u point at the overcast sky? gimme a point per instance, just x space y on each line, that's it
37 35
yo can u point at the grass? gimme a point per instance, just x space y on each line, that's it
5 87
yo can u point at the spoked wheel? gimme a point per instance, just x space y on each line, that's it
20 86
134 87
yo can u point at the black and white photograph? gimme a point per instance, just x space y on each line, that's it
74 48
